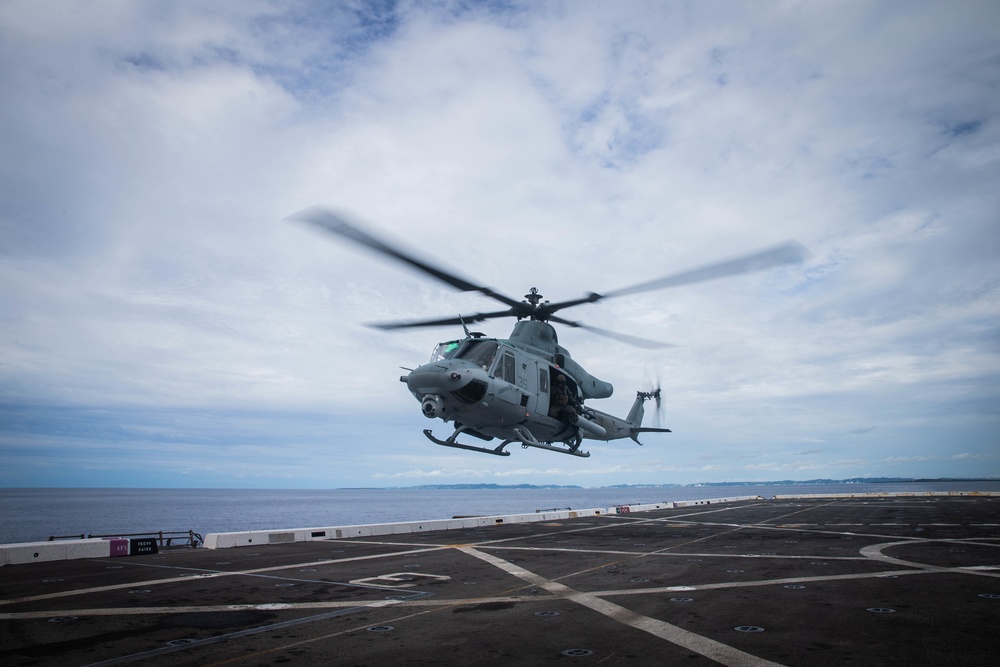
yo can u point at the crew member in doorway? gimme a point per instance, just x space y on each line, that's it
562 401
564 408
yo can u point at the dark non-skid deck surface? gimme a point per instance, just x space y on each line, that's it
888 581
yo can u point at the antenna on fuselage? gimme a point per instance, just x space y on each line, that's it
469 334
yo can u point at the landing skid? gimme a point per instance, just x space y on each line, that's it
451 442
552 448
525 438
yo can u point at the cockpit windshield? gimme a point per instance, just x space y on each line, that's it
480 352
446 350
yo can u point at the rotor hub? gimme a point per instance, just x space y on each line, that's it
533 297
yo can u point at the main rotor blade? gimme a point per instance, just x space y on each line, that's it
336 224
788 253
644 343
461 319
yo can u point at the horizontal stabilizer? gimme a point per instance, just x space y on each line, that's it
636 430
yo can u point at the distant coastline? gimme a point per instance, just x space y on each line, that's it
783 482
36 514
543 487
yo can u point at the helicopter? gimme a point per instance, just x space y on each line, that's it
527 388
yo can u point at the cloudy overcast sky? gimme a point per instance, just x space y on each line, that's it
162 325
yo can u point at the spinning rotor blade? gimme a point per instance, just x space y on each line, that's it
788 253
461 319
533 307
658 399
644 343
336 224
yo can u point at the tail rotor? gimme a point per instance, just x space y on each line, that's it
654 394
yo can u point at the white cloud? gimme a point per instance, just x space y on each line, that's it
151 152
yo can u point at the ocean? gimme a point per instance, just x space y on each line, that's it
28 515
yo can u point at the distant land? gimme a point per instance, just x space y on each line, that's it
783 482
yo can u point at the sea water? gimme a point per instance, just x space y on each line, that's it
28 515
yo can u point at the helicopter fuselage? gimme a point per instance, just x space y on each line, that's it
502 388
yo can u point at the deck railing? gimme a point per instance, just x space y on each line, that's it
164 538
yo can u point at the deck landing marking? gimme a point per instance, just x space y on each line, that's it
750 584
208 574
401 577
721 653
235 635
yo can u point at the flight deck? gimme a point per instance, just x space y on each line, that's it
790 580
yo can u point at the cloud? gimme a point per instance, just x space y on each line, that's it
160 320
976 457
908 459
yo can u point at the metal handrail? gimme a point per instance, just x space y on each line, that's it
163 537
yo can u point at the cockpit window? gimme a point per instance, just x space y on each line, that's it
480 352
446 350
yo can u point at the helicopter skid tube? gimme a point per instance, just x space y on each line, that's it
528 439
552 448
450 442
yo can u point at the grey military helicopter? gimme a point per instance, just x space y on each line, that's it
507 389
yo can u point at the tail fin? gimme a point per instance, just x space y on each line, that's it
638 411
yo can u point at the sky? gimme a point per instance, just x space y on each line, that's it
163 325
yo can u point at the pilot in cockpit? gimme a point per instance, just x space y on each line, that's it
481 354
